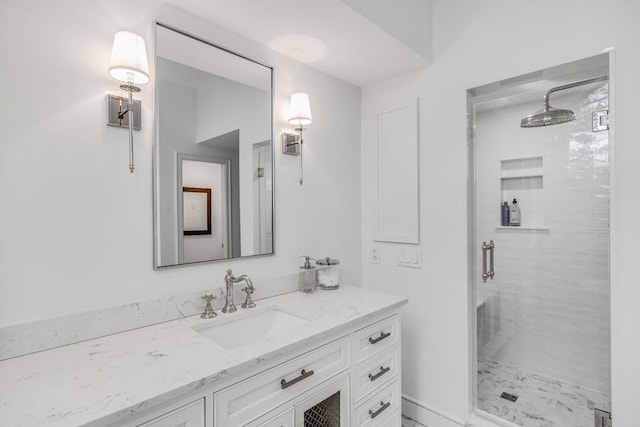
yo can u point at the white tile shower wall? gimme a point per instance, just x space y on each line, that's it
547 309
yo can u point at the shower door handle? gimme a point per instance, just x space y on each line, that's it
487 273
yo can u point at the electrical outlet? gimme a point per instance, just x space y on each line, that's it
374 256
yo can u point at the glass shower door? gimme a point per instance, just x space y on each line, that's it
542 285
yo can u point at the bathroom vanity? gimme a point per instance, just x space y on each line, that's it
294 360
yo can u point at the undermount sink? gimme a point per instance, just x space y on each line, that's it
246 328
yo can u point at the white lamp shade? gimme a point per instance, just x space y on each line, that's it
129 58
299 109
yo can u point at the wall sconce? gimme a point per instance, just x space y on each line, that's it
129 65
299 115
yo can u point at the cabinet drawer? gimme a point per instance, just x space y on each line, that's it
191 415
374 372
394 420
376 338
253 397
383 409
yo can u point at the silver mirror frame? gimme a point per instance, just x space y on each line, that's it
155 150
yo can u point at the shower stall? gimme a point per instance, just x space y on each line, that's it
541 284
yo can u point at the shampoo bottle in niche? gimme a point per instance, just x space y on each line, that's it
505 215
308 280
514 214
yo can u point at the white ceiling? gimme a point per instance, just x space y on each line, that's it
532 87
326 34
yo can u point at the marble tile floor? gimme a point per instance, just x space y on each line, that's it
408 422
542 401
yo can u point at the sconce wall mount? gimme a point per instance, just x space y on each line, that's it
117 112
290 144
129 64
299 115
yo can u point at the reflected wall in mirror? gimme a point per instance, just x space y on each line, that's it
213 131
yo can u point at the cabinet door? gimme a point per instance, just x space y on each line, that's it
191 415
329 406
284 419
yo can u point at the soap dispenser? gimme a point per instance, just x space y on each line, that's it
308 279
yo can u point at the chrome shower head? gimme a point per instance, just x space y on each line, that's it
552 116
547 117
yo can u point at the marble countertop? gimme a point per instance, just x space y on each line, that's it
104 380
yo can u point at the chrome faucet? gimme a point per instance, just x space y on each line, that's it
230 280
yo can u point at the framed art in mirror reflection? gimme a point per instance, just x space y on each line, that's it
196 204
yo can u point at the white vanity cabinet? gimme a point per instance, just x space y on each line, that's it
356 380
350 378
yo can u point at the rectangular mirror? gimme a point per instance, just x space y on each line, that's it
213 115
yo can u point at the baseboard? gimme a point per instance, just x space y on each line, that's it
424 415
487 421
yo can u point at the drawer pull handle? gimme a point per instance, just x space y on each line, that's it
380 338
303 374
379 411
379 374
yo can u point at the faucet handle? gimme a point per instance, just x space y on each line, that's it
248 303
208 310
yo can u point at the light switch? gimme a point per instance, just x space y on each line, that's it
410 257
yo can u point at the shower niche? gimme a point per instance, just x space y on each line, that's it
523 179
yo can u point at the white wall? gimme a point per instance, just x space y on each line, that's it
225 105
76 226
477 43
